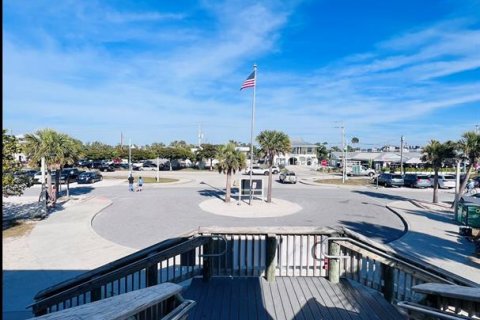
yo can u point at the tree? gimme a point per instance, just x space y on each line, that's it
58 149
179 144
98 151
229 162
209 152
355 140
335 149
272 143
178 153
12 185
322 152
436 153
469 145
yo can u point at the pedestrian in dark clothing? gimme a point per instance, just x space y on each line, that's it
130 183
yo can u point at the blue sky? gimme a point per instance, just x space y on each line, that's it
156 71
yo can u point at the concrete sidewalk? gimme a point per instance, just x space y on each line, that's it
433 238
57 248
64 245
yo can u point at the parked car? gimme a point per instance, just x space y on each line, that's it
37 178
390 180
287 177
414 180
70 175
106 167
444 181
261 170
89 177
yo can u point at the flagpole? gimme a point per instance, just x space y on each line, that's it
251 132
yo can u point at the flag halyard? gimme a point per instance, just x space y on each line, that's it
249 82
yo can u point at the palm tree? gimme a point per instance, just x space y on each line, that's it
58 149
272 143
355 141
470 147
436 153
229 161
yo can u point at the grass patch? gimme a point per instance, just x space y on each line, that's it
348 182
17 229
145 179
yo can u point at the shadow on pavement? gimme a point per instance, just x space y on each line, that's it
380 195
21 286
77 191
373 231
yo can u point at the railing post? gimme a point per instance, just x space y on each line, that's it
271 263
388 288
207 261
39 312
96 294
152 275
333 263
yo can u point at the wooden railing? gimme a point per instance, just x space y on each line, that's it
252 252
173 260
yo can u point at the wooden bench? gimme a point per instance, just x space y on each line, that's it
162 301
446 301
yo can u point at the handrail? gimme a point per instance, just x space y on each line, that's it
428 311
104 276
208 255
114 265
383 254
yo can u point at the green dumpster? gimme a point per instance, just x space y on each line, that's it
469 214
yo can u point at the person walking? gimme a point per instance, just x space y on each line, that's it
130 183
139 184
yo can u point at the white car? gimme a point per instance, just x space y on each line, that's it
37 178
444 181
263 171
287 177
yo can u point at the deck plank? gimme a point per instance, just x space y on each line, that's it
381 307
317 309
268 300
329 301
365 310
302 298
348 304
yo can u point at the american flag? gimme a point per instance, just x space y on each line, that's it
250 82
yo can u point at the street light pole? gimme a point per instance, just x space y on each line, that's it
401 155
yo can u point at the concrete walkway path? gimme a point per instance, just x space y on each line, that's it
57 248
433 238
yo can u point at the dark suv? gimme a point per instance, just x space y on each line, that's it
414 180
69 175
106 167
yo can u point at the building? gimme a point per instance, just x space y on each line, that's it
302 153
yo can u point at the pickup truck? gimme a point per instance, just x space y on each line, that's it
360 171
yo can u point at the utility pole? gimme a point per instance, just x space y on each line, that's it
344 154
401 155
200 135
130 156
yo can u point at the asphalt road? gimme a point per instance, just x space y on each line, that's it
144 218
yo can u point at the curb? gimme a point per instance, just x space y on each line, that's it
406 225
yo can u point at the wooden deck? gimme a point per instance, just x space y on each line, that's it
286 298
